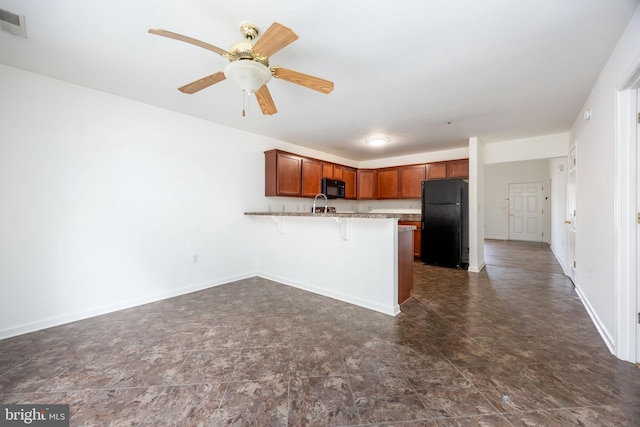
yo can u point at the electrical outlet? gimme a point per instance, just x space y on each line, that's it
196 259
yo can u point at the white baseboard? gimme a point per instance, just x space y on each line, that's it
476 269
392 311
606 336
564 269
110 308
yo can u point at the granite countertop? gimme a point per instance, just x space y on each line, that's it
329 215
411 217
401 228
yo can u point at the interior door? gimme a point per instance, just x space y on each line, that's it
571 214
525 211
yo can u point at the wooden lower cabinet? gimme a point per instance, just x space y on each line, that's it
405 265
417 236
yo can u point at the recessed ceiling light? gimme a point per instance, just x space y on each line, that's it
377 141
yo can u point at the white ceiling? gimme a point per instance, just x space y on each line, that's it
496 69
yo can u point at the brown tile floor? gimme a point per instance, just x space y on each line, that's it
511 346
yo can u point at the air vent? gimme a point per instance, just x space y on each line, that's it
12 23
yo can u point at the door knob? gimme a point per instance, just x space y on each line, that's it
566 221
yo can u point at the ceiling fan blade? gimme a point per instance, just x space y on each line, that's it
275 38
265 101
315 83
202 83
190 40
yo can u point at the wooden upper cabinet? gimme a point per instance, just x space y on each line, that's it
450 169
387 184
338 172
283 174
332 171
311 176
327 170
366 182
437 170
411 178
458 168
349 178
287 174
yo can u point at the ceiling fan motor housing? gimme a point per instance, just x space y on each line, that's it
244 51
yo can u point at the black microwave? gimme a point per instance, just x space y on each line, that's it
333 188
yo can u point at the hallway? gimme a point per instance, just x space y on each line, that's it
511 346
530 338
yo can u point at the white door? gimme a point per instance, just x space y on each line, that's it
525 211
571 214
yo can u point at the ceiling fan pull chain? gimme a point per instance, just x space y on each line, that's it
243 104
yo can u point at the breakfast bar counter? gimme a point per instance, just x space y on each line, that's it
329 215
352 257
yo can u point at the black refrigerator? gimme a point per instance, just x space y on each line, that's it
445 223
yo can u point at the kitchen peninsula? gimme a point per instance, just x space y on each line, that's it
358 258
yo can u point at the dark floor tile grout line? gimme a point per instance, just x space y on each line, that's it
353 397
529 270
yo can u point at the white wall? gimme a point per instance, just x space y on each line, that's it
558 177
595 210
497 179
105 201
476 205
434 156
539 147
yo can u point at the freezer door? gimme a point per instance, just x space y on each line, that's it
441 191
442 235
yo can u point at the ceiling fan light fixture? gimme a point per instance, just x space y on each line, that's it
248 75
377 141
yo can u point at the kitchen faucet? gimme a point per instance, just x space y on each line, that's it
326 202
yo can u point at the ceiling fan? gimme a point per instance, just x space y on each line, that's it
249 63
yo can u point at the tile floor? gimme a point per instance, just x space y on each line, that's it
511 346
